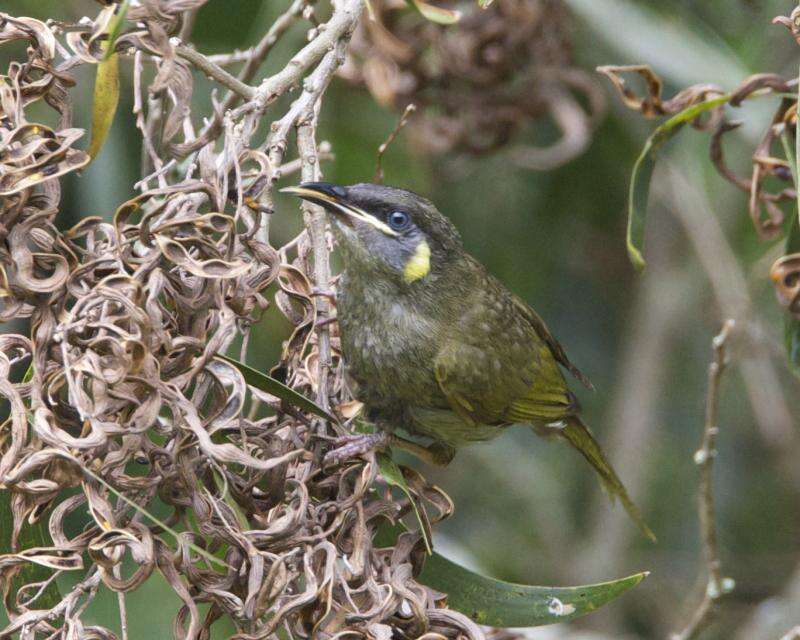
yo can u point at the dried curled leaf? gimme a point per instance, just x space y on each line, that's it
792 23
785 275
177 253
481 86
33 153
36 31
651 104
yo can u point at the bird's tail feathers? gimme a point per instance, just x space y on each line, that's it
580 437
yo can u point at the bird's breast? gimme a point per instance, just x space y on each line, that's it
389 348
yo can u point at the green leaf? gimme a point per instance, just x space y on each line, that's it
485 4
114 28
31 536
276 388
393 474
643 173
504 604
791 324
434 13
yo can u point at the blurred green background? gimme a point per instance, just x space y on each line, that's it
528 510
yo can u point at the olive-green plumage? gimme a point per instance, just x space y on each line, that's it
437 346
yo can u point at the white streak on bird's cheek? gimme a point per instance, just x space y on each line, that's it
419 264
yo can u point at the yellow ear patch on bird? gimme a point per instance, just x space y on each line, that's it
419 264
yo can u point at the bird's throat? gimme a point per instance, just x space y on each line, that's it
419 264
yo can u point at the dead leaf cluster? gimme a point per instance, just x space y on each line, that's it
118 406
484 85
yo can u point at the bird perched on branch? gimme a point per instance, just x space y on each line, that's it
436 345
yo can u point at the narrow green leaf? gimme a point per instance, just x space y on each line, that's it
115 27
222 486
797 157
106 99
276 388
485 4
199 550
791 324
392 473
504 604
436 14
31 536
643 172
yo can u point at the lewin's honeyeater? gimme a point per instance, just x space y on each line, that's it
436 345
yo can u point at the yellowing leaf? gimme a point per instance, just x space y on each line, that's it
106 99
106 85
436 14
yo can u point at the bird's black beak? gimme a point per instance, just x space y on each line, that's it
322 193
334 198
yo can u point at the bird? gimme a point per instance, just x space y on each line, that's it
434 345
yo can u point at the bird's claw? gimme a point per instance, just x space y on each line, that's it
351 446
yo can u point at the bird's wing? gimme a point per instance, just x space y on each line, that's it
555 347
533 391
548 399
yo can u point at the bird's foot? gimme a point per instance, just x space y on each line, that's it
437 454
356 445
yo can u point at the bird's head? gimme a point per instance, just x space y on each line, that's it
392 233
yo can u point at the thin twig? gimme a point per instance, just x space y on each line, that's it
235 57
337 29
761 378
716 586
410 109
215 72
123 610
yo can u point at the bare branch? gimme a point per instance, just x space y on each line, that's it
409 110
716 586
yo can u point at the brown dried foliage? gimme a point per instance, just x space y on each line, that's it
125 388
481 86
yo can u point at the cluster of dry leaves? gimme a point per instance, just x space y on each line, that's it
484 86
119 404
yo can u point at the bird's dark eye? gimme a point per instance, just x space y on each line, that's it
399 220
